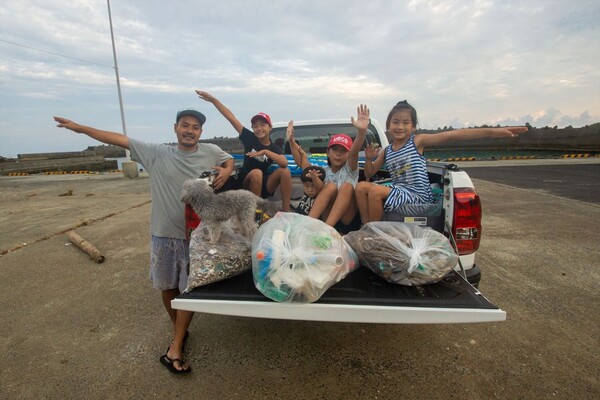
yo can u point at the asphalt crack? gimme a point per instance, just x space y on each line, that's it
70 228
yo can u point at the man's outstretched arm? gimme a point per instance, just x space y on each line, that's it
107 137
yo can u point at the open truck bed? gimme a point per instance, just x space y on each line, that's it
361 297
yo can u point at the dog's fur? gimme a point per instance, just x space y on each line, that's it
215 210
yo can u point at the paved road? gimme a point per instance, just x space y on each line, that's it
71 328
577 182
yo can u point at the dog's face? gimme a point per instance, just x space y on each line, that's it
196 192
208 176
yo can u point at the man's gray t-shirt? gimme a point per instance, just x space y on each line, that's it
168 168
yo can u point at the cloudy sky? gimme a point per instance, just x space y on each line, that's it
460 63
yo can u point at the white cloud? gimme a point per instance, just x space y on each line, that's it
459 62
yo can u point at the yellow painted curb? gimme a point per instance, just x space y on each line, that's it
462 159
576 156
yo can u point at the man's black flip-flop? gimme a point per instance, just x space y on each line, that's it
169 363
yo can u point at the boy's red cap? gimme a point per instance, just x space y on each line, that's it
263 116
342 139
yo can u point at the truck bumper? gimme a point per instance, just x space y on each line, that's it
473 275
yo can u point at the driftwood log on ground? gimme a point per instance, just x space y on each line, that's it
86 246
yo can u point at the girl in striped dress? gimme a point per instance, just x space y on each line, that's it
406 163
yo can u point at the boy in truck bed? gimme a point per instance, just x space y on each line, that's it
260 154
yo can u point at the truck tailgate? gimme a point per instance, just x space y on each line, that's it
361 297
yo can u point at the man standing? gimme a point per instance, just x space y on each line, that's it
169 166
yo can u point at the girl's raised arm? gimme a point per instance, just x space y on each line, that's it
298 153
374 159
361 124
424 141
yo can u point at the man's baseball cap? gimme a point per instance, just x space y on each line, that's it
304 176
263 116
342 139
199 116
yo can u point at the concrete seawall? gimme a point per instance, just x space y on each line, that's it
40 165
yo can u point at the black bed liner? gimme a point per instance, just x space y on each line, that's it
360 287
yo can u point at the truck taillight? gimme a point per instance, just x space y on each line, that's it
191 220
466 226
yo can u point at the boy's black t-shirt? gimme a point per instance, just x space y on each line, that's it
251 143
305 205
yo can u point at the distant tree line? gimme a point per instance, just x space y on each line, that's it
107 150
545 138
229 145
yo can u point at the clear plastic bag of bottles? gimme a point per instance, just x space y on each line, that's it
296 258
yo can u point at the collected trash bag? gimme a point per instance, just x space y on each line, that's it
296 258
214 262
403 253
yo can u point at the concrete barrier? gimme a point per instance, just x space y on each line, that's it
130 169
89 163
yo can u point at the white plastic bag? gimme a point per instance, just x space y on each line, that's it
296 258
214 262
403 253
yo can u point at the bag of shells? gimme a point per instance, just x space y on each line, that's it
403 253
214 262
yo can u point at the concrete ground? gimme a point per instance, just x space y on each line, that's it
71 328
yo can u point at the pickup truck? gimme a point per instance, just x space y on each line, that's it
362 296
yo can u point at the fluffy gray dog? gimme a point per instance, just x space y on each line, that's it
215 210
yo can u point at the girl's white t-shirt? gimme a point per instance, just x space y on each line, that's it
345 174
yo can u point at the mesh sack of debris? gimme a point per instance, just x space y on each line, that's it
403 253
214 262
296 258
